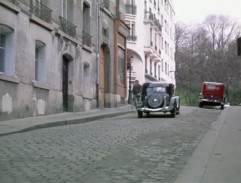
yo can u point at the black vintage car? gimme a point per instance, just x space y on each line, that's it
157 97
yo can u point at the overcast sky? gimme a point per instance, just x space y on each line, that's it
195 11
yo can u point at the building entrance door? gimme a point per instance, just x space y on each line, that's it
65 83
102 78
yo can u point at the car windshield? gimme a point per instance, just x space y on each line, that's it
212 87
157 89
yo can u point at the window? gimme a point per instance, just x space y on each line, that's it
6 50
162 65
151 67
155 42
151 37
146 71
155 70
133 29
165 67
165 25
40 61
158 1
86 17
160 43
65 9
86 24
106 4
159 71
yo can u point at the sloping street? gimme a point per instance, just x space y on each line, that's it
122 149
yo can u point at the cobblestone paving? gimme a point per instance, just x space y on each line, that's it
123 149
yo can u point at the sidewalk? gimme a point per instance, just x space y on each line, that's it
26 124
217 159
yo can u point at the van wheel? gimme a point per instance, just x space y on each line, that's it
222 107
200 104
140 114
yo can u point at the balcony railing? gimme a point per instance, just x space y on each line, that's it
67 27
12 1
106 4
86 38
157 24
149 15
131 9
40 11
132 38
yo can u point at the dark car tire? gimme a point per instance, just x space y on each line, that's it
140 114
173 112
178 111
222 107
147 114
200 104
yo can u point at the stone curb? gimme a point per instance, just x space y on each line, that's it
64 122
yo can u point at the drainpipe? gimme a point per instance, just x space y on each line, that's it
97 54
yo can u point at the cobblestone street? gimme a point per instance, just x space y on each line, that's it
123 149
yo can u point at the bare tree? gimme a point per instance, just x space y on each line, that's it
206 52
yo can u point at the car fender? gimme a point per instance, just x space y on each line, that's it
174 100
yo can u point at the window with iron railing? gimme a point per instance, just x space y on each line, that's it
12 1
86 19
131 9
106 4
86 38
151 16
132 38
40 11
67 27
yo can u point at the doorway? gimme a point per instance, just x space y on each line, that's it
65 87
102 78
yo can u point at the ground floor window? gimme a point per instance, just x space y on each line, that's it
40 61
6 50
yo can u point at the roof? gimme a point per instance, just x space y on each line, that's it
214 83
158 83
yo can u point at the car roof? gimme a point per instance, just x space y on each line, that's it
214 83
157 83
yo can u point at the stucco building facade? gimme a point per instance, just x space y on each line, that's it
61 55
151 44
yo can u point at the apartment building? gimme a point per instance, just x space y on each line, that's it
151 44
61 55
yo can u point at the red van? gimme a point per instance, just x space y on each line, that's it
212 94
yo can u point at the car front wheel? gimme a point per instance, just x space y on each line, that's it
140 114
173 112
